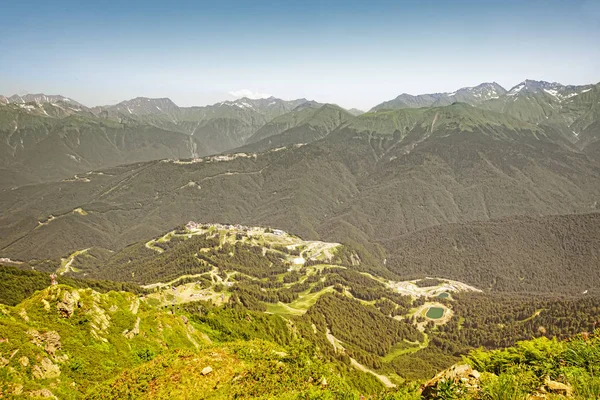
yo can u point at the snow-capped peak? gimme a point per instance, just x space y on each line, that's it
514 91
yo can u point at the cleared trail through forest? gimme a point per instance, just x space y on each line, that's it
337 345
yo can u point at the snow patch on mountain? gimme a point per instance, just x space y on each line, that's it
514 91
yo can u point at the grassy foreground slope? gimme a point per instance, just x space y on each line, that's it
535 369
66 339
72 343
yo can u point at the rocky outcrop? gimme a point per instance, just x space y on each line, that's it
463 378
49 341
66 306
462 381
23 314
100 320
46 370
130 334
42 393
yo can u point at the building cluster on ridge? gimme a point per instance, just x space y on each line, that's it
192 225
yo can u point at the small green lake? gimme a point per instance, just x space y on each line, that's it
443 295
435 313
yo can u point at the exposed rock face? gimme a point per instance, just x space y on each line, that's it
42 393
465 381
67 305
100 319
17 389
23 314
465 378
135 305
46 370
50 340
130 334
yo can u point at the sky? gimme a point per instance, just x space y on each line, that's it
352 53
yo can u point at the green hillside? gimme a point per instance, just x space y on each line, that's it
357 316
38 148
566 109
304 124
58 336
52 343
524 254
220 127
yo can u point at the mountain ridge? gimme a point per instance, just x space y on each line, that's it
472 95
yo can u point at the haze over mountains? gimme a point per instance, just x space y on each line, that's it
49 137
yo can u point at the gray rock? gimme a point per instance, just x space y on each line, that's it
206 370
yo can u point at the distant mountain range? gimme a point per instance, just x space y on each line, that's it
470 95
50 137
37 98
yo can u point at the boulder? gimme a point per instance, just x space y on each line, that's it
557 387
206 370
465 378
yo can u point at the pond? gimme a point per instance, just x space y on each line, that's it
443 295
435 313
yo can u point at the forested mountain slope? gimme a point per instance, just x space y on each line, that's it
48 138
453 164
557 254
221 126
50 142
569 110
306 123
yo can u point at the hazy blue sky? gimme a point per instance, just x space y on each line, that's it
354 53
